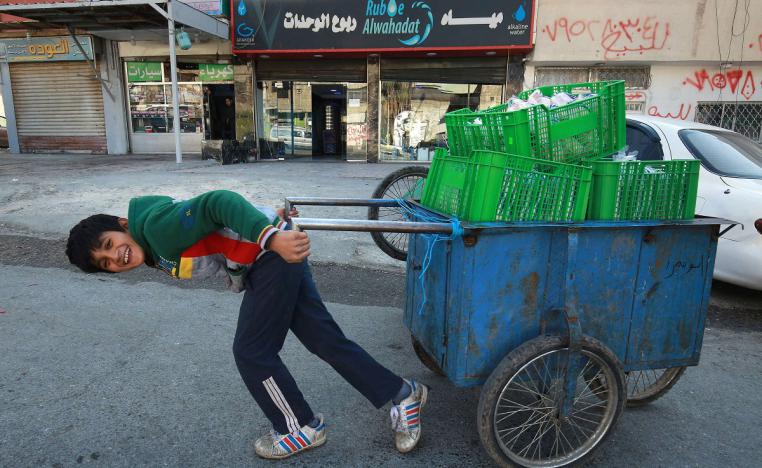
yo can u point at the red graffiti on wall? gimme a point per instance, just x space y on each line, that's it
634 96
570 29
618 38
356 134
682 114
758 45
732 79
634 36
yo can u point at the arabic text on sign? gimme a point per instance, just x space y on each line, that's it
336 23
49 50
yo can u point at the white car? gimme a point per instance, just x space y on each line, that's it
302 138
730 185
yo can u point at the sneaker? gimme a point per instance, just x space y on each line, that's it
406 417
275 446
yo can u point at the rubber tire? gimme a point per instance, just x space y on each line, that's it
662 390
511 364
426 358
380 192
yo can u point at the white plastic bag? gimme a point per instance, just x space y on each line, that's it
625 155
537 98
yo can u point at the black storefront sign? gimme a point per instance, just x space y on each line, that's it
380 25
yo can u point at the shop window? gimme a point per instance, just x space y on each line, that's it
545 76
151 108
634 77
150 96
357 126
412 115
314 119
743 117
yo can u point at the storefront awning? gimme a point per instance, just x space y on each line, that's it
118 20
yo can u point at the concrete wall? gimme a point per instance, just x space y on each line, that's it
677 89
697 51
647 31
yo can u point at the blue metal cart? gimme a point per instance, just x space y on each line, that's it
562 324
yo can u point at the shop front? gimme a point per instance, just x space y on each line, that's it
107 85
372 81
207 105
56 95
312 109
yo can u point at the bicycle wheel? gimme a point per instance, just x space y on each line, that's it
405 183
649 385
518 416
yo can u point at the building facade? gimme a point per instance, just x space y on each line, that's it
686 59
62 92
100 81
371 81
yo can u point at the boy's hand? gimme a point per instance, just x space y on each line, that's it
293 246
294 213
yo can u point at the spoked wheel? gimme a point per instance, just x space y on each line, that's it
425 357
645 386
519 417
649 385
405 183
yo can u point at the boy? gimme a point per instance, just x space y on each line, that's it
219 232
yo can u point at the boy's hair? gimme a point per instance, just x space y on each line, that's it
86 236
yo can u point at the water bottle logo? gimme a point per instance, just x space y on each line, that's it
520 14
241 8
418 38
391 8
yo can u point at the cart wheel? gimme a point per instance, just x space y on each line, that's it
425 357
406 183
518 415
646 386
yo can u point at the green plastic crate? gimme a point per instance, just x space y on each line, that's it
506 187
586 129
642 190
443 190
469 130
611 96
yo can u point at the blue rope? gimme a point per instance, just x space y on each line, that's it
431 242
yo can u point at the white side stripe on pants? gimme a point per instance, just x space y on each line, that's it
280 401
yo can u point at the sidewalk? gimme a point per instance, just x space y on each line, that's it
45 195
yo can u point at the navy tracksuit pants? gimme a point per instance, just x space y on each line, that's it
282 296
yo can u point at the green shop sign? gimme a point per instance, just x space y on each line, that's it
215 72
143 71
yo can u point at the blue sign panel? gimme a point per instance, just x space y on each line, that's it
380 25
48 49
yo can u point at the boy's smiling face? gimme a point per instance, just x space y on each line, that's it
117 252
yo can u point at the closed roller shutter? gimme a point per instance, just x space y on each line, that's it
328 70
59 107
456 70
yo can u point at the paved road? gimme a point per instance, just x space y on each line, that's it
131 371
136 370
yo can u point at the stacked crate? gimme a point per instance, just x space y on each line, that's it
553 164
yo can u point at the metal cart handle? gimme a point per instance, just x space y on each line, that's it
323 224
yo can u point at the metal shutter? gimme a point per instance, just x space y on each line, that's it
456 70
59 106
328 70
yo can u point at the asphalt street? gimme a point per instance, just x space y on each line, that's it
137 369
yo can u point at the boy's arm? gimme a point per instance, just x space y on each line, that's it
222 208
